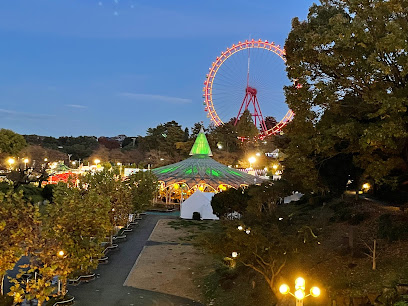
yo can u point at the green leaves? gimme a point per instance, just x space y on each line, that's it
351 58
10 142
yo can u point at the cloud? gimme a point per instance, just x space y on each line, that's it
159 98
5 113
76 106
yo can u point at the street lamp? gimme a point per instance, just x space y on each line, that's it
251 161
97 161
299 294
25 162
11 162
120 168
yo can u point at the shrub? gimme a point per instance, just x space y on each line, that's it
47 192
196 216
391 229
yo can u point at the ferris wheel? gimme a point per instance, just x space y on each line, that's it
246 76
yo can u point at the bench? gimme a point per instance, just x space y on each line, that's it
103 260
110 248
66 302
119 238
82 278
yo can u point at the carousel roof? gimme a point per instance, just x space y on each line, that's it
200 168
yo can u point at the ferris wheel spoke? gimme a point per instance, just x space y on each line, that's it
252 69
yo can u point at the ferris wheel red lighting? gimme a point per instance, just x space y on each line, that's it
250 92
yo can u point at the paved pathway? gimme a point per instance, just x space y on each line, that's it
108 289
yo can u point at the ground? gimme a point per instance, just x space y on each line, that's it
169 263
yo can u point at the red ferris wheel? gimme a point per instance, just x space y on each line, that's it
248 75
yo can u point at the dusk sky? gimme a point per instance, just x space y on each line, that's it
109 67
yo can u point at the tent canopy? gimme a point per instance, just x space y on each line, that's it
200 168
198 202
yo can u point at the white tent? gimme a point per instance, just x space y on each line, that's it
293 198
200 202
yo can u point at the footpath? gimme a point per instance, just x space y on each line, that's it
109 289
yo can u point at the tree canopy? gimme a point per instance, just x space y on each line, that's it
351 111
10 142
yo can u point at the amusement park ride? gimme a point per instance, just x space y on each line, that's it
247 69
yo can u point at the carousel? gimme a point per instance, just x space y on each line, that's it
199 172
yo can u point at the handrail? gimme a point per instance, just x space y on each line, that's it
64 302
79 278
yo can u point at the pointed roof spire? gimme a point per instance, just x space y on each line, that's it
201 145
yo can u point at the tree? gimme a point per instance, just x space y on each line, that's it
230 201
10 142
245 126
109 143
16 221
144 186
109 185
350 57
260 239
226 135
270 122
76 223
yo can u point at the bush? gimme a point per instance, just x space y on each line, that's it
6 300
391 229
4 187
196 216
47 192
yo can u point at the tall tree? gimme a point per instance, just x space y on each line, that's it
143 186
10 142
351 110
245 126
16 221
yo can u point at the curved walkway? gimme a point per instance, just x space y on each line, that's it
108 289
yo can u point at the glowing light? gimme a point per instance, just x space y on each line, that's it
258 154
97 161
240 228
201 188
366 186
315 291
275 167
45 159
300 283
176 186
252 159
234 254
119 164
248 231
61 253
25 160
299 294
284 289
11 161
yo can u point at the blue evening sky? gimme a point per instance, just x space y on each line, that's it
108 67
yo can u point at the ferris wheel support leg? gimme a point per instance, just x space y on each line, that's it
244 102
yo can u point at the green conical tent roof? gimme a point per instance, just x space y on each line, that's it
200 168
201 146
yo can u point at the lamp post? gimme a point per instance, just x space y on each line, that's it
299 294
120 168
25 163
11 162
251 161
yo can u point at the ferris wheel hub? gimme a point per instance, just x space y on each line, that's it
252 91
